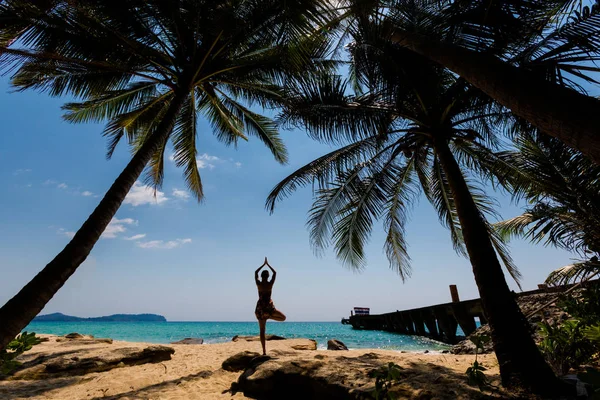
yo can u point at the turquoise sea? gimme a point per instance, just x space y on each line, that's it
218 332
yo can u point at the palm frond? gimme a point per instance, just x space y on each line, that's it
322 170
573 273
400 195
502 251
184 145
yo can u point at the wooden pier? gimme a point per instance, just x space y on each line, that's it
438 322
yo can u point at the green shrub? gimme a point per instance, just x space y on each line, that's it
565 345
593 334
385 377
585 306
16 347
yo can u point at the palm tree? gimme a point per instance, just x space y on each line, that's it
563 188
518 52
412 127
152 68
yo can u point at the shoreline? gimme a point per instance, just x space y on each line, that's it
195 372
223 332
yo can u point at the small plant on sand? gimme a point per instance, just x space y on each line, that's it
475 373
16 347
385 377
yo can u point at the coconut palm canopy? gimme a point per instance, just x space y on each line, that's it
511 50
563 189
387 155
127 61
408 126
152 69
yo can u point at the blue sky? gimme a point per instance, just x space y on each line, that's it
195 262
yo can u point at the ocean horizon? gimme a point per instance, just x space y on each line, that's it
224 331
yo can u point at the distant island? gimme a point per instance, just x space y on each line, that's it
59 317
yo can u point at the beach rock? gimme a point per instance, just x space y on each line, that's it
242 361
309 345
189 341
73 365
86 340
82 339
303 378
74 335
335 344
256 338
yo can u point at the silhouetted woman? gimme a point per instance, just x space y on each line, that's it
265 309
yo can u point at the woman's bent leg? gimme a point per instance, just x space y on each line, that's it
278 316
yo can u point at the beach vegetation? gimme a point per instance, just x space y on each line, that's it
475 373
574 342
22 343
385 377
565 346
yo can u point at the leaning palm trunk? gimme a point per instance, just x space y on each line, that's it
521 363
557 111
25 305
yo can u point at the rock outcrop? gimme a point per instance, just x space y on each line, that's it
69 365
528 305
335 344
82 339
75 335
189 341
309 378
308 345
242 361
256 338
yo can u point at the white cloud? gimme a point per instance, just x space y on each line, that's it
21 171
62 186
207 161
181 194
238 164
50 182
87 193
161 244
136 237
142 194
117 226
128 221
62 231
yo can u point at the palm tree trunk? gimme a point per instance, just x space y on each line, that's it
521 363
555 110
25 305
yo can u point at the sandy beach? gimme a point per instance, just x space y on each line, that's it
195 372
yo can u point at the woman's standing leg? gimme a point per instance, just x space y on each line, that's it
262 323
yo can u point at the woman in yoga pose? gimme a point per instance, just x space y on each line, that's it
265 309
